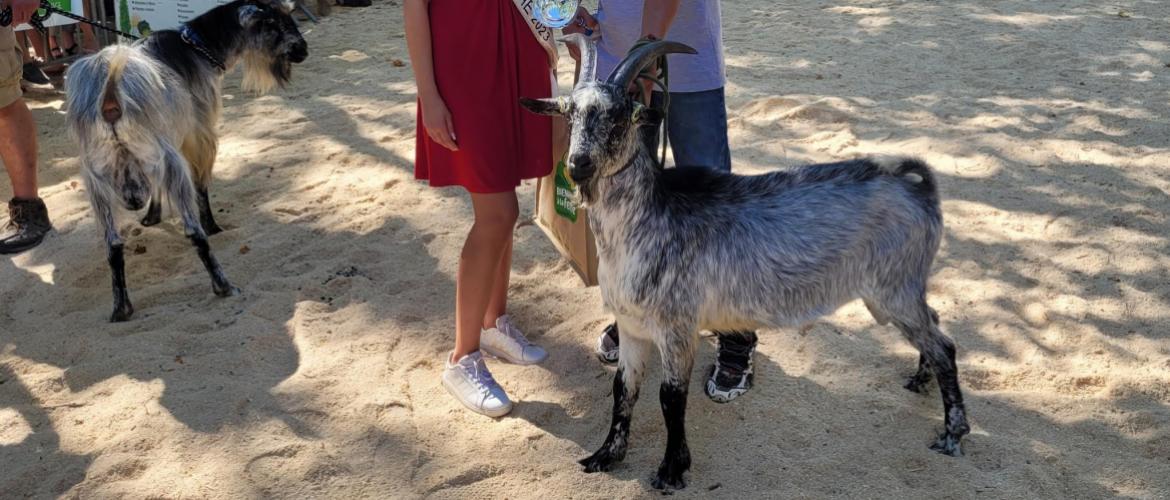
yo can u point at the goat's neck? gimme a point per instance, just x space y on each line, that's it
220 32
622 197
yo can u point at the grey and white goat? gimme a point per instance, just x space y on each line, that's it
145 116
687 249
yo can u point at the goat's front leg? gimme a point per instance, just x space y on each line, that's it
183 193
678 357
631 370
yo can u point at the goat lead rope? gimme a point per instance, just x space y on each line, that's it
38 20
664 84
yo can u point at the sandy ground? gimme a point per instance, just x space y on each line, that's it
1047 122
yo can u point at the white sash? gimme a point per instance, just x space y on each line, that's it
543 33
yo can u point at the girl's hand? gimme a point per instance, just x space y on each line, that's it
437 121
583 23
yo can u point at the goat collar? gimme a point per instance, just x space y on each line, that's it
190 37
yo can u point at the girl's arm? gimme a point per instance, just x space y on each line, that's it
436 118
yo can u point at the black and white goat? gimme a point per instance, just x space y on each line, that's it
687 249
145 116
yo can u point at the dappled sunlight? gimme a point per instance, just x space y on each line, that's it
1045 122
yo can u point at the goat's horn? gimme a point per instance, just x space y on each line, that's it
588 56
625 72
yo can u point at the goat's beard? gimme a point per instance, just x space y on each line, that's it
264 72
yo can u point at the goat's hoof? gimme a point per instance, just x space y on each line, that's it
914 384
150 220
227 291
668 483
948 444
122 314
213 228
601 461
670 472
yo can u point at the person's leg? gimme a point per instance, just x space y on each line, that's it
28 219
498 302
501 337
698 129
489 238
18 134
466 376
31 73
18 148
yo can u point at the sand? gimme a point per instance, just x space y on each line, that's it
1047 123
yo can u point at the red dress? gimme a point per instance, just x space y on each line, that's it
485 59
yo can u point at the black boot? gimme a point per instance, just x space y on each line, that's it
28 223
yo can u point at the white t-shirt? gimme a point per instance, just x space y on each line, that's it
697 24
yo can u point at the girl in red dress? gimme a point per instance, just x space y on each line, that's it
473 60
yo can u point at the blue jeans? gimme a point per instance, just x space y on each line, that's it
697 125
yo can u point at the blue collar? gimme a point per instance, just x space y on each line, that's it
190 37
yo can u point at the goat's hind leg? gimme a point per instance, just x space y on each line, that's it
920 326
115 256
179 185
626 383
206 219
916 382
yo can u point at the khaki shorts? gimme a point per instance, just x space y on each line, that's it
11 68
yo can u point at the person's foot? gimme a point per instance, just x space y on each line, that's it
472 384
607 345
507 342
33 75
731 376
28 223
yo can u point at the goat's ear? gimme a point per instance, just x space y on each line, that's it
248 14
551 107
645 115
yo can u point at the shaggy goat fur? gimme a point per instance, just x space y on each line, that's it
145 117
689 249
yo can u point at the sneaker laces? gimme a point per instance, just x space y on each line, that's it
506 326
481 377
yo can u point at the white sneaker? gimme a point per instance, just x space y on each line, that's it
472 384
505 341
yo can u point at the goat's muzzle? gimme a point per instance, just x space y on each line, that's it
299 52
581 168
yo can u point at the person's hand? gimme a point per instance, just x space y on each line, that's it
583 23
22 10
437 121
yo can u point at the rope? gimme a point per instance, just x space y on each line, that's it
38 20
662 80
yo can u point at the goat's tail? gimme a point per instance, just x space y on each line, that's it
121 95
111 106
919 176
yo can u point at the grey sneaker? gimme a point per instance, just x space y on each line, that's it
732 375
607 345
507 342
28 223
472 384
